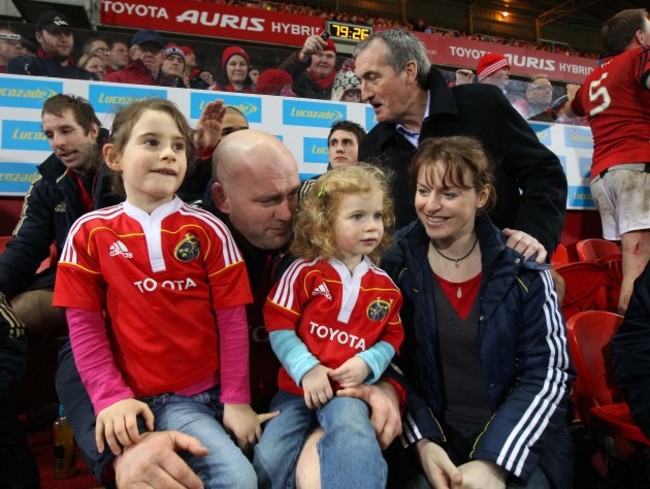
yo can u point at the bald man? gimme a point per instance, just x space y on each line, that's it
255 193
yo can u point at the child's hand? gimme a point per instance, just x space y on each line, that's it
352 373
316 386
245 424
118 424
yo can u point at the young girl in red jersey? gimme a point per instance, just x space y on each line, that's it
333 320
155 295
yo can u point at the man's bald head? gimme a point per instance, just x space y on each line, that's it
256 185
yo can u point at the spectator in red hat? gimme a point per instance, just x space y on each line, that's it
494 69
275 82
312 68
234 63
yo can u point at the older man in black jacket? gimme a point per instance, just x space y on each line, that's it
412 101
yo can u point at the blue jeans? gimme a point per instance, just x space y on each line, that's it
200 415
349 453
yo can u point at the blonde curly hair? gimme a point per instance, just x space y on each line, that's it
313 233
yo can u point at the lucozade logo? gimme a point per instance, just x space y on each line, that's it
27 93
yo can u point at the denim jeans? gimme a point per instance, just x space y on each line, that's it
349 453
200 415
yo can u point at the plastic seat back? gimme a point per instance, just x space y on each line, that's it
588 286
589 334
594 248
560 256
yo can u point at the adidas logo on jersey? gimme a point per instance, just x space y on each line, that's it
322 290
119 248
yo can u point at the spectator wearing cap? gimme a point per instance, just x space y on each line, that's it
494 69
312 68
275 81
347 86
234 63
147 57
119 56
54 56
9 47
173 68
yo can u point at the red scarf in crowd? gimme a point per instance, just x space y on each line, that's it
323 83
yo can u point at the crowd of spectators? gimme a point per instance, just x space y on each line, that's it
310 72
418 25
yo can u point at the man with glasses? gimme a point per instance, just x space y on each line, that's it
539 95
54 58
147 58
99 47
9 47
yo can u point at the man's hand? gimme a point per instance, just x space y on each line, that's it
208 129
352 373
464 77
384 409
245 424
153 462
118 423
525 244
313 44
438 467
316 386
571 91
481 474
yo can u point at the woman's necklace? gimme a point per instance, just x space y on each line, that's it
456 260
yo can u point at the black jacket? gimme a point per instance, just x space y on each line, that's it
631 352
41 66
520 160
13 349
52 204
522 351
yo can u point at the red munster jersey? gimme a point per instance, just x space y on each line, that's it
336 315
157 276
617 101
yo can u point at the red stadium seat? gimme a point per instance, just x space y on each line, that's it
594 248
560 256
588 286
45 264
596 396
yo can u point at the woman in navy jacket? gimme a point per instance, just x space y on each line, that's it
485 359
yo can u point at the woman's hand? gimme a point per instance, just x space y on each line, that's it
118 423
438 467
481 474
